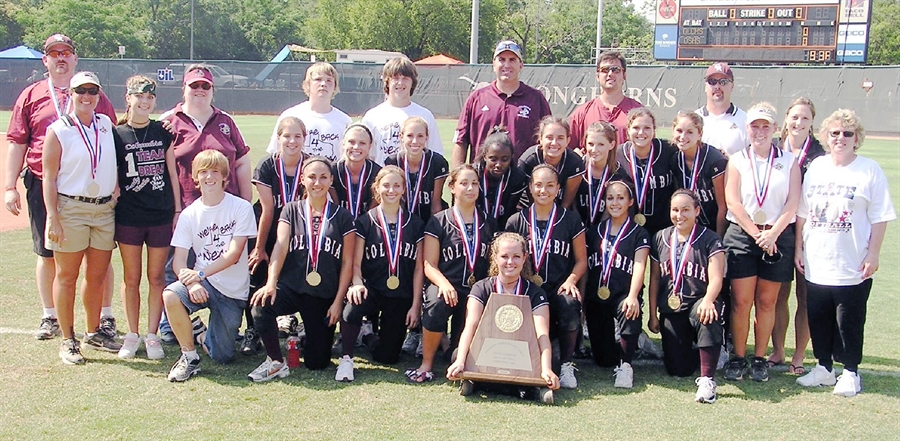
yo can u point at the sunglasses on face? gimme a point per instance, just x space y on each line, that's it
86 90
607 69
845 133
719 81
65 53
199 84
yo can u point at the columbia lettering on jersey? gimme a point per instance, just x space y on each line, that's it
619 283
706 244
375 267
711 164
560 260
452 262
297 263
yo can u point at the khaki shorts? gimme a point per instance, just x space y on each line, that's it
85 225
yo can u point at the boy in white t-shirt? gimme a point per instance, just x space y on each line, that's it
216 227
325 124
400 78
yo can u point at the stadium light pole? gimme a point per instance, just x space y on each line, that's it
473 40
599 27
192 29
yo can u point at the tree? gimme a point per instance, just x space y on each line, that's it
11 31
98 27
884 35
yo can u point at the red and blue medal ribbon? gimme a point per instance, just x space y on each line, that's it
354 194
540 243
677 266
595 196
494 209
412 200
283 184
391 242
761 186
803 151
690 183
60 109
610 256
643 184
315 238
94 151
471 244
499 286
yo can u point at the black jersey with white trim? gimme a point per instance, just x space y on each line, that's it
375 268
661 187
483 289
560 256
619 283
297 264
571 165
452 261
583 201
436 167
516 184
340 184
267 174
712 164
706 244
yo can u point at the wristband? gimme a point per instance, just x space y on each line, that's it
201 275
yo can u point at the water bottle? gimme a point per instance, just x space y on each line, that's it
293 355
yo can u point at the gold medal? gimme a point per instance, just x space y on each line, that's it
603 292
93 189
674 302
471 279
640 219
759 217
393 282
313 278
537 279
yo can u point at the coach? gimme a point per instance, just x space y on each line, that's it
724 124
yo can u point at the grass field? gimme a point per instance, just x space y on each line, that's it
113 399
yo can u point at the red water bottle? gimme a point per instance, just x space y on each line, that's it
293 348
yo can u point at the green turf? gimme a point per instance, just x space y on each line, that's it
113 399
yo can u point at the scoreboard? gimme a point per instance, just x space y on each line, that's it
798 31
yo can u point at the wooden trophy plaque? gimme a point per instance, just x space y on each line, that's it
505 347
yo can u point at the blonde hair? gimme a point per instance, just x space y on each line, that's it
509 236
383 173
320 68
209 160
414 120
848 119
608 131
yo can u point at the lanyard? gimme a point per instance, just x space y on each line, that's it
594 197
283 184
540 243
355 203
94 151
609 257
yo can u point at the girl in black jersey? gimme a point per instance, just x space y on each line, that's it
387 274
617 257
354 173
277 180
686 272
425 170
645 160
600 166
502 183
552 149
309 273
456 255
699 168
146 210
556 238
509 271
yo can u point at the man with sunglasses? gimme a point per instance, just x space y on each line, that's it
38 106
724 124
506 102
611 105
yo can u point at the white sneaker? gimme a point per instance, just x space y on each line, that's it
649 347
818 376
344 370
364 330
706 390
130 345
154 348
848 384
268 370
624 376
567 378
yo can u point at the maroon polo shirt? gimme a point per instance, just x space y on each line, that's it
593 111
487 107
34 112
220 133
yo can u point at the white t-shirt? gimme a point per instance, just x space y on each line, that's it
385 121
726 132
209 230
323 130
779 184
74 176
840 204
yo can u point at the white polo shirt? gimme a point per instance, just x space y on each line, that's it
726 132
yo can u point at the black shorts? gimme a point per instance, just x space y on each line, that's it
745 257
37 212
681 331
436 312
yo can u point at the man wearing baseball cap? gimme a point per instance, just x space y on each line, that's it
507 102
39 105
724 124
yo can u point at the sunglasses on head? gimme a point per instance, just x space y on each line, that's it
846 133
199 85
86 90
65 53
607 69
719 81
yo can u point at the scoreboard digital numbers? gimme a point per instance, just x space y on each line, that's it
798 31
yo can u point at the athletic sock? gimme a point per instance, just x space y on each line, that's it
50 312
191 355
106 311
708 359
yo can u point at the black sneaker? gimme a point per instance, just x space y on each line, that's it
49 328
736 368
759 369
287 325
250 344
108 326
101 342
198 328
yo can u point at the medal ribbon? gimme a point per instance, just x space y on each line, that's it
540 252
803 151
642 184
609 257
499 286
594 198
495 209
282 181
761 192
677 266
315 239
695 171
470 245
392 243
412 201
59 109
93 149
355 203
